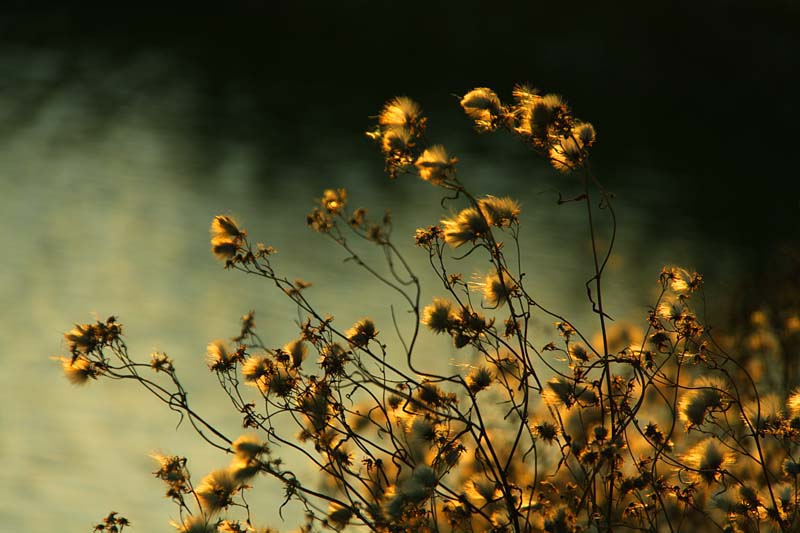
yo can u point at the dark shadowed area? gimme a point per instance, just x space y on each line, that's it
124 129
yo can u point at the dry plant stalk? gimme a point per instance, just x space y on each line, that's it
659 429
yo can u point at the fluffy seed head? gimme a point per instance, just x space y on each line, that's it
339 516
400 111
439 316
434 164
499 212
496 291
484 107
707 394
297 352
225 226
249 447
396 139
362 332
468 226
585 134
220 356
793 402
79 370
709 459
216 490
195 524
479 379
256 367
224 248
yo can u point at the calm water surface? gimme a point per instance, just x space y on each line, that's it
112 217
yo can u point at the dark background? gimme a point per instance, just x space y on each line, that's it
701 91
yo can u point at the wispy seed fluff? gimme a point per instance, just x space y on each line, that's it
225 237
793 403
468 226
246 464
709 458
401 111
765 413
585 133
297 352
216 490
362 332
495 291
479 379
707 394
256 367
195 524
544 111
499 212
439 315
484 107
79 370
249 447
339 516
396 139
225 226
219 356
566 155
434 165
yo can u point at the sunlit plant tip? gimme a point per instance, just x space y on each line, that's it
435 165
439 316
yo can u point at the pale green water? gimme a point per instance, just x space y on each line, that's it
111 217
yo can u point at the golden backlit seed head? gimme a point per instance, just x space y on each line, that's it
439 316
434 165
766 413
339 516
224 248
584 133
297 352
578 351
478 102
481 491
484 107
566 155
362 332
400 111
216 490
709 459
524 94
79 370
396 139
793 402
219 355
225 226
468 226
195 524
256 367
479 379
499 212
706 394
249 447
495 291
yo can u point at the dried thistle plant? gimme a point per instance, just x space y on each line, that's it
660 429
